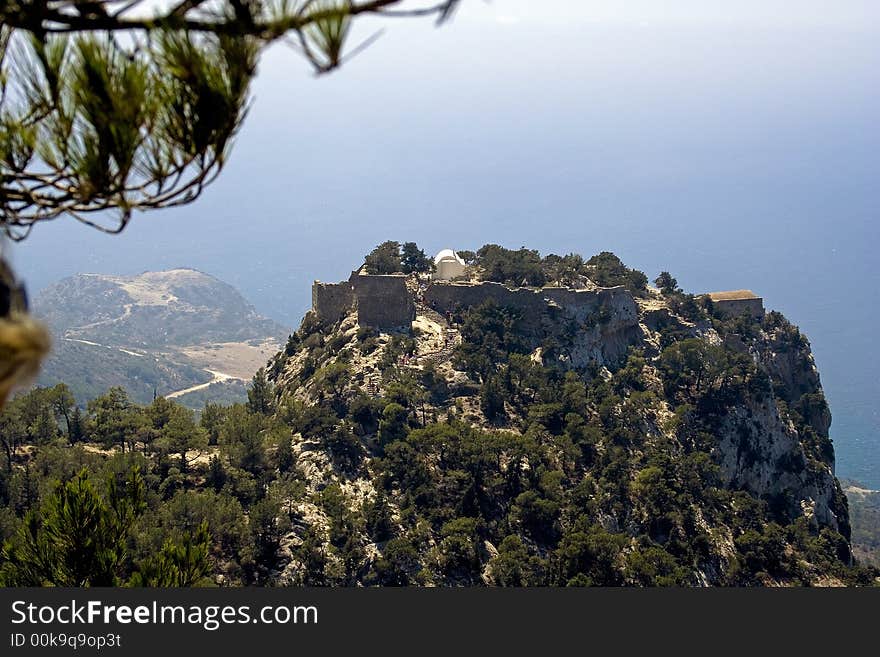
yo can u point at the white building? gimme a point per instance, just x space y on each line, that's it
448 265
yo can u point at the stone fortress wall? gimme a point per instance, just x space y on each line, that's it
383 301
601 322
332 301
534 302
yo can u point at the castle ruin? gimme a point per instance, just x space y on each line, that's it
605 319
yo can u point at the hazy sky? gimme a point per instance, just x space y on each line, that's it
733 143
619 116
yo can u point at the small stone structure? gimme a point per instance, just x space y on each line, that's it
733 303
383 301
332 301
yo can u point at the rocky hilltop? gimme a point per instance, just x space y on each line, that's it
172 332
551 420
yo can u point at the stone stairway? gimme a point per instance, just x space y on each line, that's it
372 383
444 354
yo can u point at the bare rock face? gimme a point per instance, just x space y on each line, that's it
760 452
786 354
763 450
606 331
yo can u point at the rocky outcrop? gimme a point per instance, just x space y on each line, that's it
593 326
761 452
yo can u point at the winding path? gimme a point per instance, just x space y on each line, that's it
95 344
218 377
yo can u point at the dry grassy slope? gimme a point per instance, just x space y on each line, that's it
166 331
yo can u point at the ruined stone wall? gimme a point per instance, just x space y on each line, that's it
332 301
383 301
736 307
450 297
578 304
598 325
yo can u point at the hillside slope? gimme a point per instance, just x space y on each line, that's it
157 332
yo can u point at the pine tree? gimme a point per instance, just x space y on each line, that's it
384 259
261 394
413 259
62 404
143 97
666 283
181 435
377 513
77 538
115 419
177 565
76 433
492 399
284 458
45 429
211 420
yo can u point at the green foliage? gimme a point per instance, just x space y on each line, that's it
261 395
76 433
394 423
115 420
211 419
515 566
241 439
594 477
144 126
864 508
590 558
521 267
377 515
469 257
492 400
693 369
414 260
176 565
490 333
181 435
667 284
77 538
384 259
607 270
265 530
285 460
91 123
398 564
564 270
